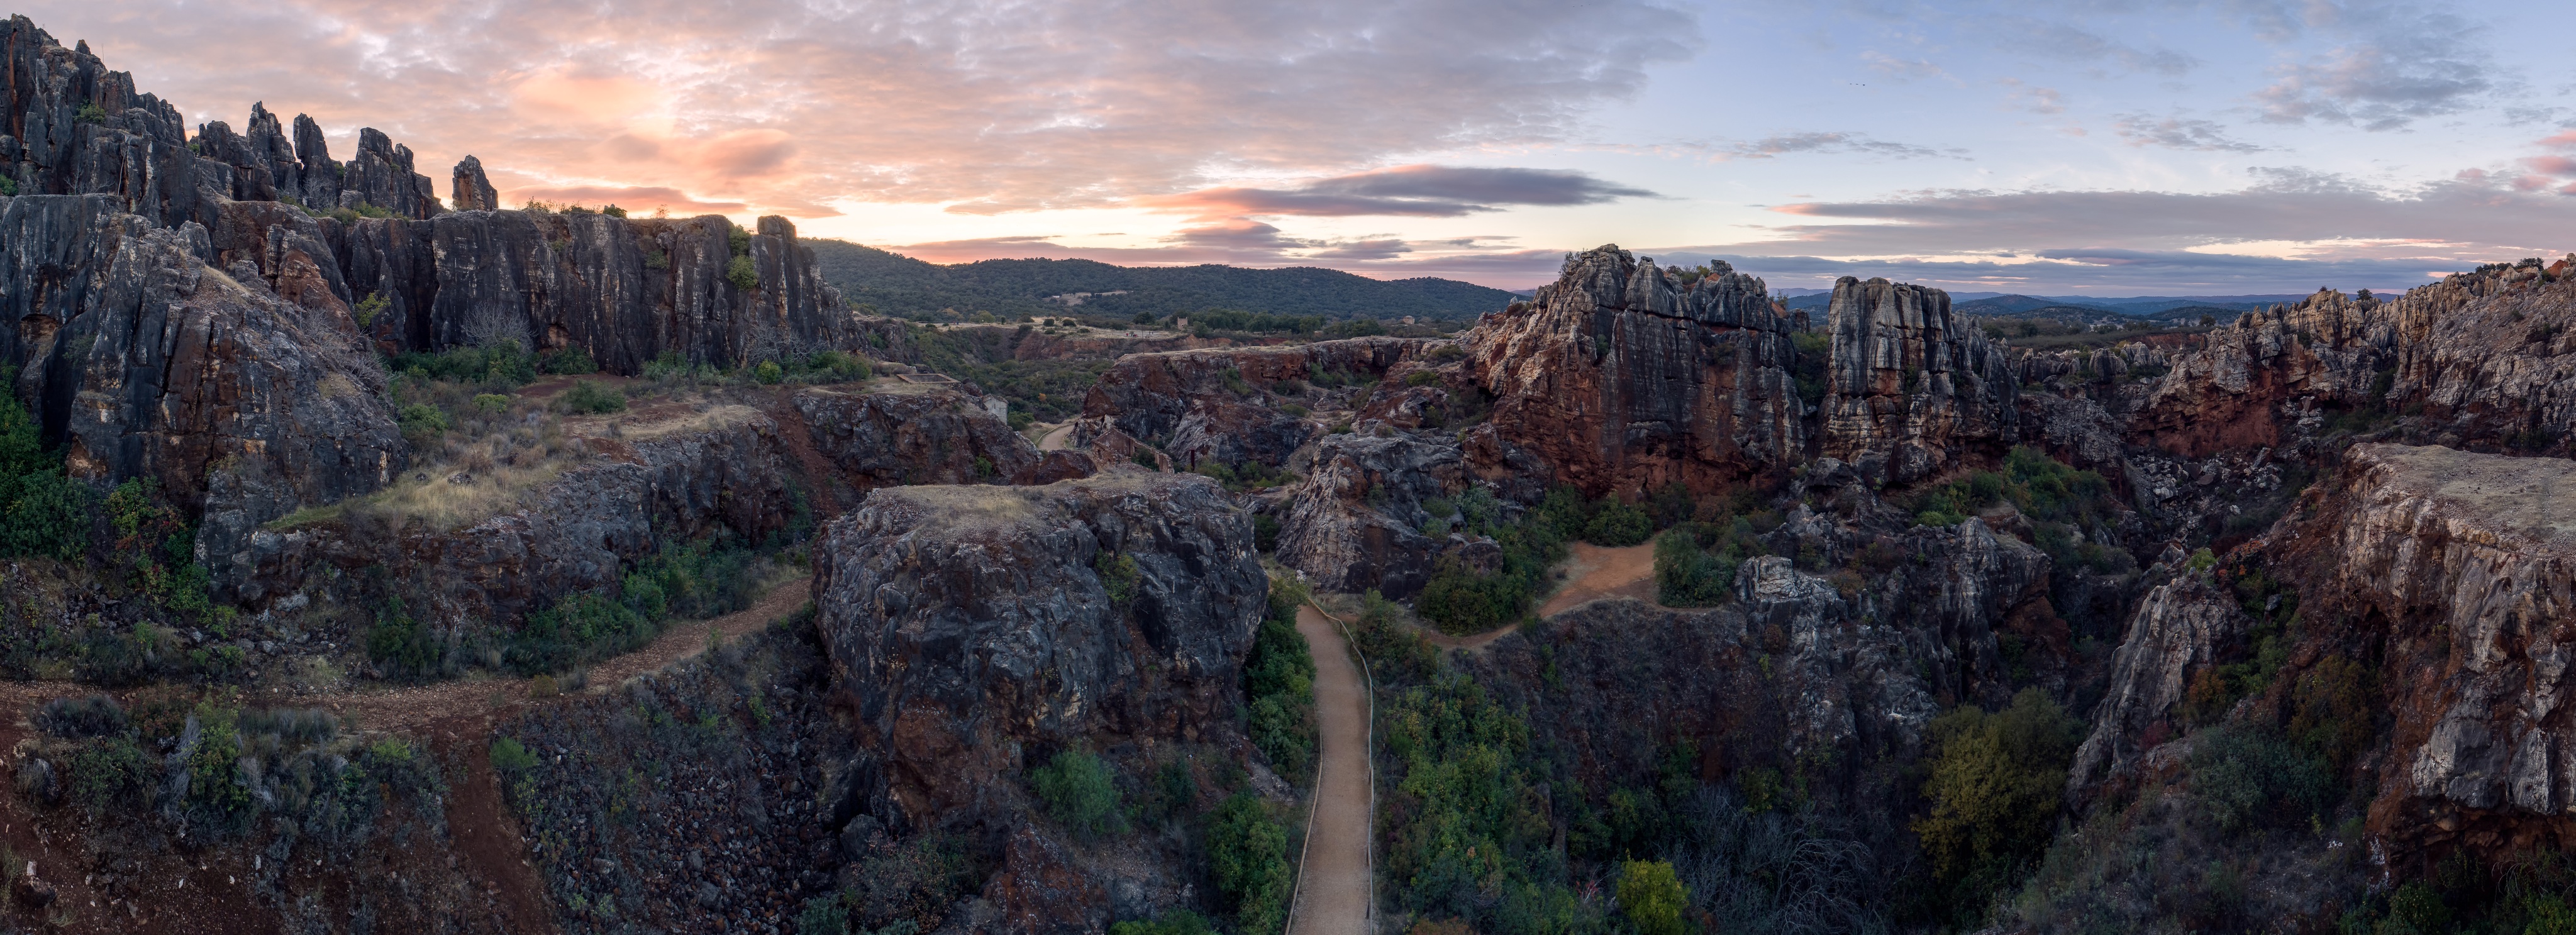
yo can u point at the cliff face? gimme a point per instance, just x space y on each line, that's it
1912 390
627 289
1352 525
147 362
74 127
1618 377
2463 567
975 628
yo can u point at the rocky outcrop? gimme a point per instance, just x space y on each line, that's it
977 629
628 290
471 190
895 433
2181 628
1217 404
1912 389
146 362
1618 377
74 128
2463 566
624 500
1353 525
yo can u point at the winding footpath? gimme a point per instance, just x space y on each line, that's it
1333 884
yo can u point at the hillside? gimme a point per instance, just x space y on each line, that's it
899 285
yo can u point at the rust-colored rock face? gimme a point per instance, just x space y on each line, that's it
972 627
1912 390
1619 378
2463 566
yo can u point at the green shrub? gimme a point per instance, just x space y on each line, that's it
574 360
823 915
1996 782
2202 559
369 309
1248 855
1144 458
1279 685
510 757
737 240
491 404
768 373
422 419
1118 576
1651 896
1689 576
90 112
2249 776
742 274
1617 524
1422 378
594 398
403 647
1080 793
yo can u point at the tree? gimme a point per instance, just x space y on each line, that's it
1652 897
1997 780
1079 793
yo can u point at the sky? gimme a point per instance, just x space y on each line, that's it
2072 147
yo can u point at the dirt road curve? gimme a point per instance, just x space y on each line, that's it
1333 891
1055 440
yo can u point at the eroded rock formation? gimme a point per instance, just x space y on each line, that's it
1354 524
1618 377
1912 390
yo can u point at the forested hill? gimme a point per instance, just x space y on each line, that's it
900 285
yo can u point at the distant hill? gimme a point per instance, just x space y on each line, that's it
2021 305
900 285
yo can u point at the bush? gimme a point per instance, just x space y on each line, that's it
77 718
1080 793
823 915
1422 378
1248 854
1652 898
1617 524
586 396
510 757
1995 786
491 404
1688 576
403 647
574 360
1279 685
1118 576
768 373
742 274
2248 776
422 419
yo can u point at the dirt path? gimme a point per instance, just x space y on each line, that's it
1057 439
1333 885
1596 573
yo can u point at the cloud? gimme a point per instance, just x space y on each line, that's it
2474 210
2179 133
1007 105
1827 142
2033 98
1415 191
2402 64
1901 69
